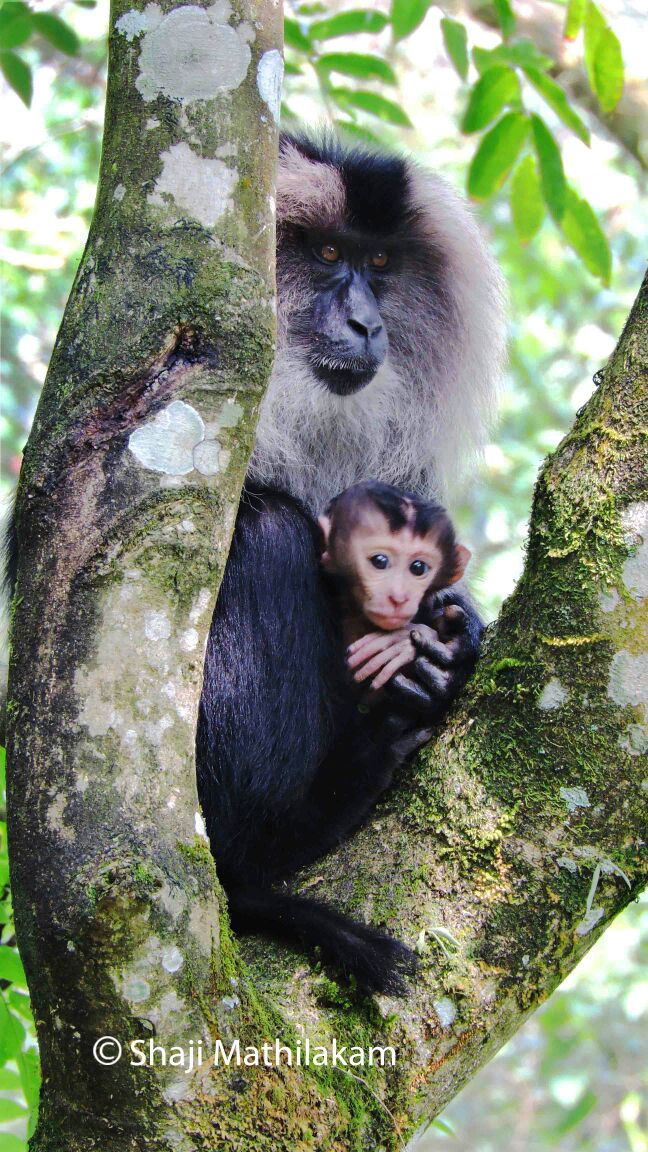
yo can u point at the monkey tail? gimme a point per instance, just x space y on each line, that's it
378 962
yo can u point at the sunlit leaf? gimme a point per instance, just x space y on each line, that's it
406 15
9 1080
12 1033
295 37
527 203
492 92
358 131
576 1114
11 1110
59 34
496 155
18 75
585 235
608 71
505 17
574 18
348 23
455 39
603 59
552 176
376 105
30 1075
11 966
15 25
358 64
520 53
553 94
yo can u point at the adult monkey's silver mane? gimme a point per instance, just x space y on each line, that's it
425 413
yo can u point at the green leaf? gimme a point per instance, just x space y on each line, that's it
443 1126
585 235
359 131
455 39
12 1034
9 1080
15 25
11 1110
11 1143
30 1076
295 37
348 23
376 105
57 32
406 15
11 966
576 1114
552 177
492 92
553 94
291 69
496 155
608 71
18 75
520 53
357 64
527 205
603 59
574 18
505 17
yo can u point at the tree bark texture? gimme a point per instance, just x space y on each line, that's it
501 854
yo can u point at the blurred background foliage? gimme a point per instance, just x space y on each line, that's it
540 111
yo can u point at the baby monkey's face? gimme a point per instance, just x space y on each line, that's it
388 571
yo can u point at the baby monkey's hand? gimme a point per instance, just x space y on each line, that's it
385 653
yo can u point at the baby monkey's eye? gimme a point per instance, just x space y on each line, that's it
380 259
419 567
379 560
329 252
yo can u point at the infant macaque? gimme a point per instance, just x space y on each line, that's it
389 552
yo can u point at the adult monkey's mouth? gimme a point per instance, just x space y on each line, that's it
343 375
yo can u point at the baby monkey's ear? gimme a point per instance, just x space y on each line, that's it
325 531
462 556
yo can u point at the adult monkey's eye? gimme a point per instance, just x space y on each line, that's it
379 560
380 259
419 567
329 252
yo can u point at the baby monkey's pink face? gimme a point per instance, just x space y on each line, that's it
388 571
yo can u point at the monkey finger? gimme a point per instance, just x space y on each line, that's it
436 651
405 651
433 679
385 675
373 643
411 691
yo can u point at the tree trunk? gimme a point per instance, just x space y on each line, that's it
518 831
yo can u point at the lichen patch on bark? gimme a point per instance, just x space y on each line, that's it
191 53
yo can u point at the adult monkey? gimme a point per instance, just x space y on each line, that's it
390 340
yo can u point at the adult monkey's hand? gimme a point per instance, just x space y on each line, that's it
443 665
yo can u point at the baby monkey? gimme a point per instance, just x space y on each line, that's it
389 552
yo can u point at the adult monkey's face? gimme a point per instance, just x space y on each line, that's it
343 328
341 217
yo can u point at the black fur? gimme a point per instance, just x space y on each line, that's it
375 182
287 764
